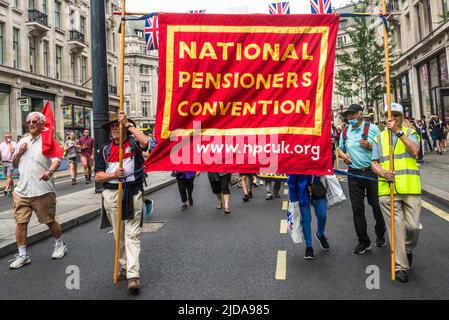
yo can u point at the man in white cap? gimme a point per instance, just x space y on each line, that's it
407 186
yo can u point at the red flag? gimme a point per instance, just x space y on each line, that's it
50 147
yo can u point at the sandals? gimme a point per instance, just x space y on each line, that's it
227 210
219 205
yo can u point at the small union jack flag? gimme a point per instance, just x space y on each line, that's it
321 6
197 11
279 8
152 33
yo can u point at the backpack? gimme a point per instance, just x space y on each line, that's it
344 134
135 153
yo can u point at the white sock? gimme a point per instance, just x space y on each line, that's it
22 251
59 242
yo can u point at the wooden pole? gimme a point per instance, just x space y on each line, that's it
120 164
390 139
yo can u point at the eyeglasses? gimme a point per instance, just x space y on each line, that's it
34 122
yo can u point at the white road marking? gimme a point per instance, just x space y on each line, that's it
281 265
437 211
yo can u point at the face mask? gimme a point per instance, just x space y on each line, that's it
353 122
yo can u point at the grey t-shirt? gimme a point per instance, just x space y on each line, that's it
72 151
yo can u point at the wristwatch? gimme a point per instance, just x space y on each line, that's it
399 134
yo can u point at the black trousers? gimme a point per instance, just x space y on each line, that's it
358 188
185 187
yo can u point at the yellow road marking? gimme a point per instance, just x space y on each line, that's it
283 228
286 192
285 205
286 184
442 214
281 265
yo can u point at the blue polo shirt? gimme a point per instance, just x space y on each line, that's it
361 157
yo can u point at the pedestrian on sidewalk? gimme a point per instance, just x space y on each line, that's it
247 186
307 190
35 190
86 145
7 149
219 182
108 172
355 150
185 181
438 131
425 135
407 187
71 150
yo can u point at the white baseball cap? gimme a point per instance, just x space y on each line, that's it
395 107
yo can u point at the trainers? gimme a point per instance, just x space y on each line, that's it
121 274
309 254
381 242
269 196
73 182
134 284
245 198
250 194
59 251
184 207
277 195
19 261
323 242
362 248
402 276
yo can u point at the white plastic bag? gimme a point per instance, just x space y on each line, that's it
293 222
334 192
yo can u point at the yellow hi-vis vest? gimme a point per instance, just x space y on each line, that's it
406 172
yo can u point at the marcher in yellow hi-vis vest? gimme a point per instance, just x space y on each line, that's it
407 186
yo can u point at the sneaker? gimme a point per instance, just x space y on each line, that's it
277 195
269 196
362 248
73 182
410 259
184 207
19 261
323 242
250 194
381 242
134 284
245 198
309 254
402 276
59 251
121 274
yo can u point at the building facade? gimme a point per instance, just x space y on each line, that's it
420 30
141 76
45 56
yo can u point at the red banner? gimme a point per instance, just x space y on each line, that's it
245 93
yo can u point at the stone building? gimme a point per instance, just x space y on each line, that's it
45 55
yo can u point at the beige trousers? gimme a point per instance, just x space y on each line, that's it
407 211
129 231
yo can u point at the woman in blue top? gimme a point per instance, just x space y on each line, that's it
299 187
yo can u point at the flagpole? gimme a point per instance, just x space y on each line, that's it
390 136
120 184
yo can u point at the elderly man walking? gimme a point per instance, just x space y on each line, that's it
35 190
7 149
407 187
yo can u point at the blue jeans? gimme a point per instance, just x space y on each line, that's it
306 219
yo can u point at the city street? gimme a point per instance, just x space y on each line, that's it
202 253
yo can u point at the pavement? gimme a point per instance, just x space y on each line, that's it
202 253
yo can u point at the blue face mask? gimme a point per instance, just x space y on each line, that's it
353 122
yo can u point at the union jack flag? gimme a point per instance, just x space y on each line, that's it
279 8
152 33
197 11
321 6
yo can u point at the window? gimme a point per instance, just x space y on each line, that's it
46 58
139 33
126 69
445 9
44 6
15 48
58 62
109 75
72 66
30 4
128 108
443 71
126 87
418 15
144 69
4 111
424 89
115 76
84 69
145 87
82 25
146 109
15 3
57 14
32 41
1 42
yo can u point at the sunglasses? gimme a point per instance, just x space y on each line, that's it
34 122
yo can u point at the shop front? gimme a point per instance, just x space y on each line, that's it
77 115
33 100
5 92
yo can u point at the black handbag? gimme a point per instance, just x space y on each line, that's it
317 188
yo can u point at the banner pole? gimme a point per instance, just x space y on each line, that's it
120 184
390 139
